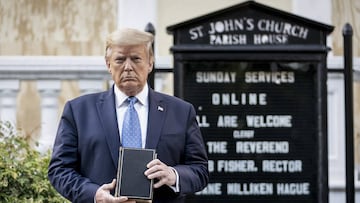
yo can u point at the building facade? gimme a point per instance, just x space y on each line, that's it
52 51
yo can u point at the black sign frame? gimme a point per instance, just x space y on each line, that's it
254 33
320 105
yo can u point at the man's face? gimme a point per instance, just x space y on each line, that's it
129 67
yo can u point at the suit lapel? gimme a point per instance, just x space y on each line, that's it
107 114
156 117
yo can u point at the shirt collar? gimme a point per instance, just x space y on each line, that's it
142 97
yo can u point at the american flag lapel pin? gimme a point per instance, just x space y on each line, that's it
159 108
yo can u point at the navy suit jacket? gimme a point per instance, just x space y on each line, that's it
85 152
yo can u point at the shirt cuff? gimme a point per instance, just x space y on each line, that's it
175 187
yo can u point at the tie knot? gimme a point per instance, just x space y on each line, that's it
132 100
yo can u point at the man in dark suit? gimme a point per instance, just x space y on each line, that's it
85 154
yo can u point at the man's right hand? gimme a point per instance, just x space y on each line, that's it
103 195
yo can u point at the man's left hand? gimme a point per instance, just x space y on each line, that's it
162 172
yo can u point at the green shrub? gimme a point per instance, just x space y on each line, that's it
23 170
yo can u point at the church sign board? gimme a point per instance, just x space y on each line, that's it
257 78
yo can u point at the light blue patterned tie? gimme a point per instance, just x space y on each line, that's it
131 132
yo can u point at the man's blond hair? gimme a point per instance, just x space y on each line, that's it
129 37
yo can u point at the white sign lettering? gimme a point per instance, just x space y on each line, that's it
280 166
262 147
217 147
282 28
235 99
249 188
270 39
211 189
215 77
211 166
262 31
202 121
277 77
231 25
230 166
293 188
228 39
227 121
269 121
196 32
238 134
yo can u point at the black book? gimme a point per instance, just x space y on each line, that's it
131 181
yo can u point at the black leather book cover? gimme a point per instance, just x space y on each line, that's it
131 181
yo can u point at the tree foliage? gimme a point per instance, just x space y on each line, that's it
23 170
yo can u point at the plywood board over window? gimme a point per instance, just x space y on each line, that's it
345 11
47 27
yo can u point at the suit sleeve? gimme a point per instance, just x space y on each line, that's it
193 174
63 171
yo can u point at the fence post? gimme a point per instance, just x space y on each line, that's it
349 125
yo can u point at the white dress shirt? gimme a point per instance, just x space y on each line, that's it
142 108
